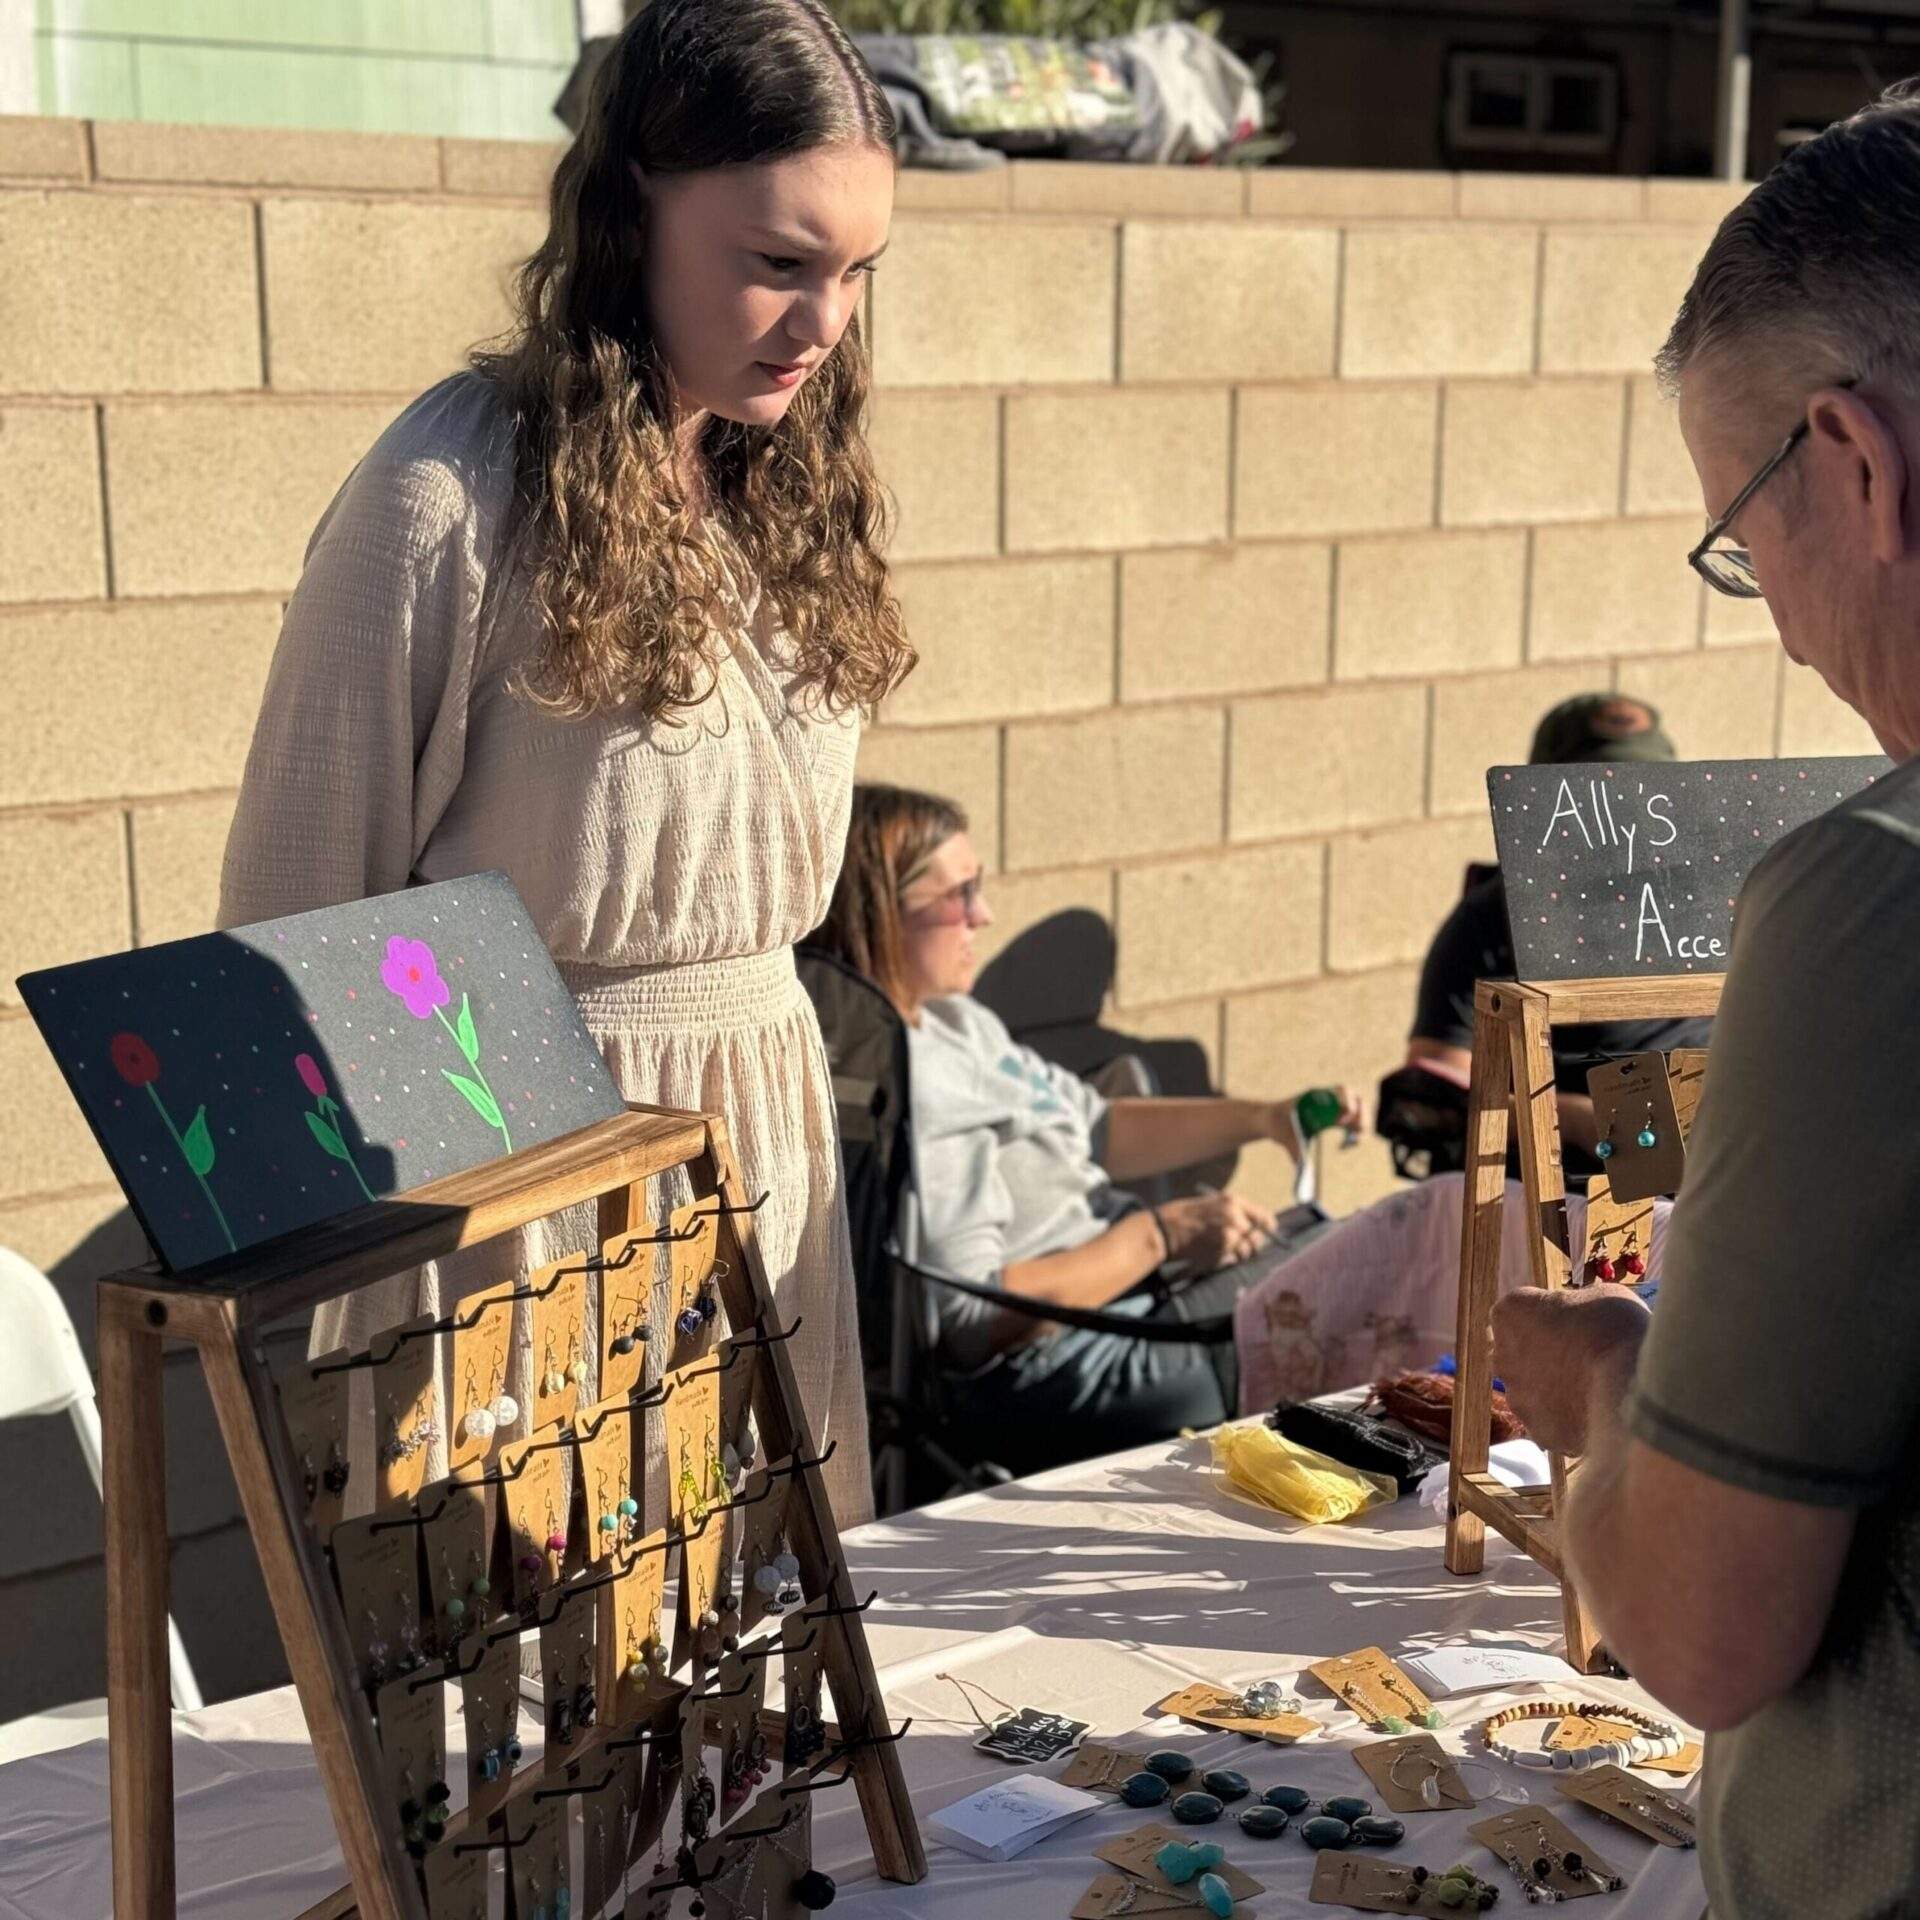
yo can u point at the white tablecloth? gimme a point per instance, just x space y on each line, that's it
1094 1591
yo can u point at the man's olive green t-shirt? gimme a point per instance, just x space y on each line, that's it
1784 1354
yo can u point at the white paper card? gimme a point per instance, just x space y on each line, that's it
1449 1670
1011 1815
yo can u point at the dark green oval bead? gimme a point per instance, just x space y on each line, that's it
1226 1783
1170 1764
1144 1789
1264 1823
1325 1831
1288 1799
1377 1830
1348 1807
1198 1809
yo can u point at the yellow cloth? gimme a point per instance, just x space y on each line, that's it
1279 1473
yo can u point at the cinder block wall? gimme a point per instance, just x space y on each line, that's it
1244 521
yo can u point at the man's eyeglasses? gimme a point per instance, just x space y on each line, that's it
1729 569
953 908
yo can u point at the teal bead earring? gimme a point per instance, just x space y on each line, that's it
1604 1151
1646 1137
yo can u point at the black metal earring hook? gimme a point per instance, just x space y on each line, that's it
656 1396
767 1646
814 1610
451 1671
744 1343
814 1780
501 1843
720 1208
415 1519
634 1741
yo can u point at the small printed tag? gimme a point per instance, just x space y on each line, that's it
1030 1734
483 1328
1683 1763
1579 1731
1633 1113
1374 1886
1401 1768
403 1424
1529 1839
626 1301
1662 1817
313 1397
1370 1683
1099 1768
1208 1706
561 1368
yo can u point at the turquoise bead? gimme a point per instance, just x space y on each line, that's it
1178 1861
1348 1807
1170 1764
1214 1891
1263 1823
1225 1783
1431 1718
1604 1151
628 1508
608 1524
479 1586
1198 1809
1143 1789
1394 1724
1645 1137
1288 1799
456 1608
1325 1831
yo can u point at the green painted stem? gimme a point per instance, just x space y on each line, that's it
479 1073
233 1246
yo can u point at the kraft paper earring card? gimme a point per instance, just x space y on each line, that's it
249 1083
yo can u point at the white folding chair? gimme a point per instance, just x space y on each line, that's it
42 1370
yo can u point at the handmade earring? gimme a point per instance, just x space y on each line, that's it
701 1804
576 1361
1673 1829
478 1588
717 1487
1646 1137
586 1697
1604 1149
646 1656
552 1379
813 1889
635 1332
398 1446
738 1460
1459 1887
375 1670
423 1818
704 1308
1630 1262
1600 1267
1575 1867
556 1541
778 1582
692 1501
806 1736
560 1713
483 1421
334 1476
504 1753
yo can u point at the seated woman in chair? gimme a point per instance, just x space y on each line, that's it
1016 1161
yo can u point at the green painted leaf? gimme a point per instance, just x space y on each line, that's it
197 1144
328 1138
464 1033
477 1097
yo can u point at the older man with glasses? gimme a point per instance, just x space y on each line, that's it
1746 1522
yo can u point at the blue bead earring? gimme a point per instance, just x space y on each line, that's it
1646 1137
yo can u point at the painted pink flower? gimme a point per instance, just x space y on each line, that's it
411 971
135 1062
310 1075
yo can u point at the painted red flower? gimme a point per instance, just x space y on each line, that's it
310 1075
135 1062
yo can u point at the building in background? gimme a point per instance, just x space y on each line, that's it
1580 86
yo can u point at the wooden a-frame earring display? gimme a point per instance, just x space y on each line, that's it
223 1308
1513 1080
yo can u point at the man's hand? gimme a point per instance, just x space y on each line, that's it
1552 1348
1215 1230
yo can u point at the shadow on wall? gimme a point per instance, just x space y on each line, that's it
1051 986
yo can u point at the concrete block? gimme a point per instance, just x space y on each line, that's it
1815 720
1268 311
1388 891
177 850
1138 781
1732 622
1620 587
1695 203
1542 450
265 157
126 293
501 169
175 687
1324 1032
1021 902
50 1149
1219 923
1608 296
1123 468
1214 620
926 190
1660 475
1347 458
1428 603
261 473
1197 1021
940 454
1349 193
1198 193
989 270
52 542
1487 720
66 892
384 296
1444 299
36 148
1001 638
961 764
1551 196
1716 706
1319 762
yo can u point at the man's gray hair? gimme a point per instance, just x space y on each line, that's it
1817 271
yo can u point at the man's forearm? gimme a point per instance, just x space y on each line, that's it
1598 1529
1146 1137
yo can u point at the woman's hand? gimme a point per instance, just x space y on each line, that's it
1214 1230
1281 1127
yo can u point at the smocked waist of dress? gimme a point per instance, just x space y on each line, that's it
689 996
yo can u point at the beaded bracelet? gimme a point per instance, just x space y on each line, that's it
1653 1740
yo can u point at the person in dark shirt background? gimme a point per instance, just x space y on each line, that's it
1475 943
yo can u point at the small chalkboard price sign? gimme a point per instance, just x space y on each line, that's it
1617 870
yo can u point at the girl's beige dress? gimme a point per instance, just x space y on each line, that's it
669 868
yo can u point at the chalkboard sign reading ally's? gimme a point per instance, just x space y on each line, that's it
1622 869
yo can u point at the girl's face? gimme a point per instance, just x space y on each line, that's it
752 273
941 909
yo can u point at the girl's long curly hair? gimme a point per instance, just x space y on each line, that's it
629 591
